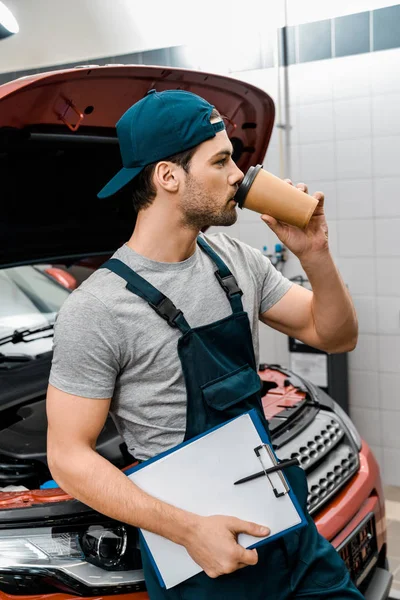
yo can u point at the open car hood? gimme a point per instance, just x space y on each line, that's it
58 147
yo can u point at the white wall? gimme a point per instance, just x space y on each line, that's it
55 32
305 11
346 142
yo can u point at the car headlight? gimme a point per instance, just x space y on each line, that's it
348 424
87 559
103 546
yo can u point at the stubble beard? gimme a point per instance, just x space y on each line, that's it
199 210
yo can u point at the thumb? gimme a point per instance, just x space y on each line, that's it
272 223
249 557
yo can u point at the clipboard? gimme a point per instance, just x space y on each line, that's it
199 475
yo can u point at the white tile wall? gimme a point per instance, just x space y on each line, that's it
351 77
310 10
352 118
272 161
388 313
389 353
315 122
367 422
366 313
294 172
355 199
294 123
383 67
387 283
387 196
387 232
386 114
345 141
359 274
364 389
356 238
385 156
317 161
389 391
390 423
353 158
293 267
378 454
365 356
311 82
391 466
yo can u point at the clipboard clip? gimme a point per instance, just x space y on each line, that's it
273 473
272 476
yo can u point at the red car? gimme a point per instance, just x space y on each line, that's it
58 147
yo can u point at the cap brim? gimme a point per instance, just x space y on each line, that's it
119 180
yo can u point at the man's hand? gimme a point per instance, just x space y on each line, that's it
306 242
213 544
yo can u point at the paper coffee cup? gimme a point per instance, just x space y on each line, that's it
268 195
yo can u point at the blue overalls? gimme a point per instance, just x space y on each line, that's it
221 380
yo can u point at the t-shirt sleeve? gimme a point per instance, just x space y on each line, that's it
274 285
86 351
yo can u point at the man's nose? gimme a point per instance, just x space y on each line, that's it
236 177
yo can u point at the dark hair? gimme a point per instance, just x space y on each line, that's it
143 191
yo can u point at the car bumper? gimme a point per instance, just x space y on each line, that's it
379 586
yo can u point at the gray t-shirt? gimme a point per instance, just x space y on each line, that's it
109 343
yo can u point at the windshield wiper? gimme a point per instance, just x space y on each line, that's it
17 358
23 335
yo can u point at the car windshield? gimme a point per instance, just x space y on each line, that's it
29 299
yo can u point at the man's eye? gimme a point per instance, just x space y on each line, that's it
221 162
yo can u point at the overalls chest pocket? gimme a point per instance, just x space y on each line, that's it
231 394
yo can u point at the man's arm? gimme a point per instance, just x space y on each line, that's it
74 424
324 317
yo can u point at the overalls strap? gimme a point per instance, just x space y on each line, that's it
225 278
139 286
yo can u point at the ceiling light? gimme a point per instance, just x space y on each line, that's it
8 23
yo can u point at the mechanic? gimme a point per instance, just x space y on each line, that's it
145 333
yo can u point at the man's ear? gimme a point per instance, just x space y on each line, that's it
168 176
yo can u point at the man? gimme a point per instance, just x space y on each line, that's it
162 322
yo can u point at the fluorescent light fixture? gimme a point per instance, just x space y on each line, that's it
8 23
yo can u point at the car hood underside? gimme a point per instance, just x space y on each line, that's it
58 147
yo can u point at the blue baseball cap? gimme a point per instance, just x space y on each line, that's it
158 126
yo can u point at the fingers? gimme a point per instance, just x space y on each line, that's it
239 526
321 199
303 187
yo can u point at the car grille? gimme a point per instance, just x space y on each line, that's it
328 455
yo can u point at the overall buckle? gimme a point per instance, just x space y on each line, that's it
167 310
229 284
